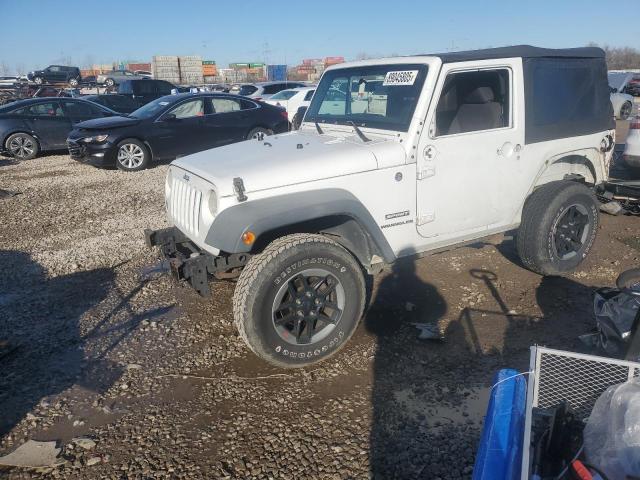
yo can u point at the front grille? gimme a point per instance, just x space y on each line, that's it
184 206
75 150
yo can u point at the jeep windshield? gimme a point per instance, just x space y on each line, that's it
374 96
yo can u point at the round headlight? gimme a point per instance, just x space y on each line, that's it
213 202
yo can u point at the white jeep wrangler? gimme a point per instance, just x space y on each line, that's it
395 157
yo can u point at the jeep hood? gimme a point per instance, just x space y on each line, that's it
289 159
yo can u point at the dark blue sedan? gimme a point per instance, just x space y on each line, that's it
28 127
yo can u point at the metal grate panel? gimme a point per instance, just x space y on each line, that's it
579 380
185 202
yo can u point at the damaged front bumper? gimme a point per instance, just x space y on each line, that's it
190 263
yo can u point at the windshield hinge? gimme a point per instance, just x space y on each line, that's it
427 172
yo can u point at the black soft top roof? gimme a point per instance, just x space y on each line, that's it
524 51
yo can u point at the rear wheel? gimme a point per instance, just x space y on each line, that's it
22 146
559 224
132 155
110 82
299 301
73 82
259 132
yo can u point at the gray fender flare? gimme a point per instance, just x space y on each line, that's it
360 232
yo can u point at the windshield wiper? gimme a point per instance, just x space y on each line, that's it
362 136
320 132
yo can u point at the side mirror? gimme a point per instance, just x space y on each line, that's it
169 117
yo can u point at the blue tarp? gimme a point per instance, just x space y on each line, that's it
500 452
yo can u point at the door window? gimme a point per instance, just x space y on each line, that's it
224 105
474 101
54 69
284 95
49 109
192 108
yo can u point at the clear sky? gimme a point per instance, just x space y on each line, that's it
36 33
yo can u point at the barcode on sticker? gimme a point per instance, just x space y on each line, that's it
405 77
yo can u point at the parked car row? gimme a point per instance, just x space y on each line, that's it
168 127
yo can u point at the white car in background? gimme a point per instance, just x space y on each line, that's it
631 154
622 102
291 100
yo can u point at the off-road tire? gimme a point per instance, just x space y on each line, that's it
29 143
543 210
255 131
266 273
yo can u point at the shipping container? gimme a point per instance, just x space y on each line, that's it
139 66
333 60
276 72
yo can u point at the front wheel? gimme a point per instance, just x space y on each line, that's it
558 228
38 80
258 133
299 301
110 82
132 155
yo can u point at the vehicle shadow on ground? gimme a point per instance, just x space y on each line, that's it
43 346
415 381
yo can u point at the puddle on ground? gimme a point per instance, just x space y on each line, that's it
473 407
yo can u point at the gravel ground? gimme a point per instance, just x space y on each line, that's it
102 345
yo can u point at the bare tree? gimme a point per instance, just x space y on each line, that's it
620 58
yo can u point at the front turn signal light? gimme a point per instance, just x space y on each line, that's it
248 238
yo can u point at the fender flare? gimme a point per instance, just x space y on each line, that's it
352 222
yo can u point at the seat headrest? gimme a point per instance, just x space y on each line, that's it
480 95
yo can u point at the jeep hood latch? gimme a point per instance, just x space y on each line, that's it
238 187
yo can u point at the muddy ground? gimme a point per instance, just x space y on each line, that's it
99 343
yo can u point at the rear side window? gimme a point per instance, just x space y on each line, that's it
225 105
247 89
278 87
474 101
566 97
144 88
164 88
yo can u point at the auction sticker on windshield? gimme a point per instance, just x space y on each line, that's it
405 77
